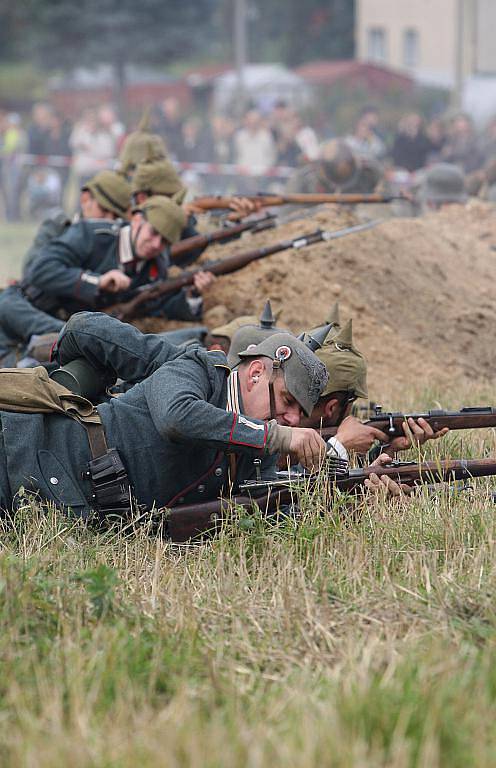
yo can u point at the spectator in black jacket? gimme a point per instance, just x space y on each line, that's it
411 146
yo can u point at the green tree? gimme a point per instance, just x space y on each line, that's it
294 32
65 34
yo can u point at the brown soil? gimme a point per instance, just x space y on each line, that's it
421 292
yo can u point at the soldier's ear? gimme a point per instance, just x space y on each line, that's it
331 408
255 371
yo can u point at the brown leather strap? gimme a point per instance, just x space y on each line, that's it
96 439
276 367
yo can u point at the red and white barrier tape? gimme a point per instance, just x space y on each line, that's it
216 169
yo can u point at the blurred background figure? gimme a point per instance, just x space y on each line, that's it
14 142
82 142
365 140
306 138
44 193
462 147
411 146
95 141
169 124
488 140
195 141
254 147
38 131
437 135
110 131
288 149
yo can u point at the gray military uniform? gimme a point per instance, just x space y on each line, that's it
64 277
172 429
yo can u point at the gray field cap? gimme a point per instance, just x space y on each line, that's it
304 374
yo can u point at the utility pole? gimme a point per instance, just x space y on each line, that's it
459 56
240 54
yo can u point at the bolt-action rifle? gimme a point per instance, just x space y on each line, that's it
218 235
187 521
219 202
392 423
129 309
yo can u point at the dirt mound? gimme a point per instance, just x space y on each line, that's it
421 291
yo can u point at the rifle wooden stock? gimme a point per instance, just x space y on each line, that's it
128 309
187 521
304 198
218 235
392 423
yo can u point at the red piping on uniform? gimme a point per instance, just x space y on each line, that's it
50 354
248 445
192 486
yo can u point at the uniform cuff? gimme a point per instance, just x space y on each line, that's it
337 449
278 438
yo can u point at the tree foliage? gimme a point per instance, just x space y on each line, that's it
65 34
62 33
294 32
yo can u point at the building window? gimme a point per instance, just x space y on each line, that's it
410 48
376 44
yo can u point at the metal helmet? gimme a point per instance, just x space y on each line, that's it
111 191
141 145
338 162
345 365
158 177
305 375
251 334
164 215
443 183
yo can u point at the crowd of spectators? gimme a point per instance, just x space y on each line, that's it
258 141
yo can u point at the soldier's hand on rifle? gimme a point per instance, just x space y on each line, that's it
202 281
384 484
416 432
307 448
114 281
244 206
190 209
358 437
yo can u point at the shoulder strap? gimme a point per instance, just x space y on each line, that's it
96 438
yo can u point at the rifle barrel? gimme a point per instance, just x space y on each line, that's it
187 521
210 203
224 233
392 423
127 310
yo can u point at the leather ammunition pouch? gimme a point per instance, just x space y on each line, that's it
111 488
112 492
31 391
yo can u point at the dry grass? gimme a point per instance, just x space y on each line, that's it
15 239
340 641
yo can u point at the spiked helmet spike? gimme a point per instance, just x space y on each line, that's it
333 316
316 339
267 319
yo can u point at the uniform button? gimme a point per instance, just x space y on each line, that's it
218 471
54 480
201 489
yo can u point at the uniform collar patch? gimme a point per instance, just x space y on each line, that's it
126 255
233 396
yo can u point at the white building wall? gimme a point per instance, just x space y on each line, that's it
485 31
435 23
